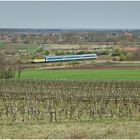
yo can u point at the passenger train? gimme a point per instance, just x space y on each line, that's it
64 58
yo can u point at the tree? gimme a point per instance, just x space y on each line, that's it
7 63
7 67
71 38
136 55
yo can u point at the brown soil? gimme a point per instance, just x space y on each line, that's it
81 66
91 66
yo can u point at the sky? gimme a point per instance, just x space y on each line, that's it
70 14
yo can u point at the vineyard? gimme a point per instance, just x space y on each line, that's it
68 100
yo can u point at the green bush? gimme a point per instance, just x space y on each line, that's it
122 57
116 54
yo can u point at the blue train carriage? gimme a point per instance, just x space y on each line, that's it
70 57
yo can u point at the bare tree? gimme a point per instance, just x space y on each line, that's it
9 65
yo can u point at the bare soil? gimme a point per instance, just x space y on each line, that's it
93 66
78 66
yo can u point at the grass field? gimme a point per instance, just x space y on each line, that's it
82 74
59 46
77 130
19 46
70 46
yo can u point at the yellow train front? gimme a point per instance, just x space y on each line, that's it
38 60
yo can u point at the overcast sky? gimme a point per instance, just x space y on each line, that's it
64 14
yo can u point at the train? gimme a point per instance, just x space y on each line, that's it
46 59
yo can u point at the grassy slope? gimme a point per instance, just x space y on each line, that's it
101 130
82 74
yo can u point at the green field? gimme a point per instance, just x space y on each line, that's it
82 74
91 45
19 46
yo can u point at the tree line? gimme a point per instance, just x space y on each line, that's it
121 38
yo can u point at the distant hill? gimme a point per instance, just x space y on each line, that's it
32 30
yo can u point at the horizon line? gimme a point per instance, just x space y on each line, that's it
70 28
